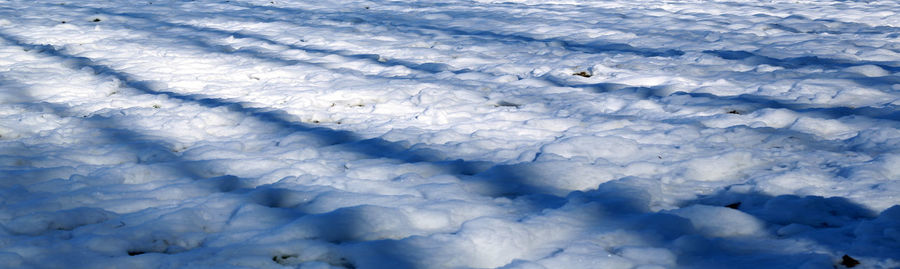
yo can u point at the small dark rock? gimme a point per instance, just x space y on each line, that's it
135 252
849 261
583 74
734 112
509 104
734 205
96 20
283 259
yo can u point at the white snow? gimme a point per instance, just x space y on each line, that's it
449 134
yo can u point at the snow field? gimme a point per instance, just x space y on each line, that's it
449 134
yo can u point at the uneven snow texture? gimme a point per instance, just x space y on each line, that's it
449 134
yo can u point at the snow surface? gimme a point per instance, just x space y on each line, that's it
449 134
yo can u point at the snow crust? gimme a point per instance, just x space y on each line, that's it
449 134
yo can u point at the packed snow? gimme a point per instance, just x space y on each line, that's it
449 134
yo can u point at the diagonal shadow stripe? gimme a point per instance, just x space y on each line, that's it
399 22
504 185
